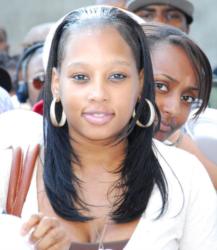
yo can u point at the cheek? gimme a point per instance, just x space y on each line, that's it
33 91
183 116
128 99
70 101
159 99
182 26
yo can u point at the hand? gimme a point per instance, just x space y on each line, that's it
46 233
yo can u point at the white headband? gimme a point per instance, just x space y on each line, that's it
49 38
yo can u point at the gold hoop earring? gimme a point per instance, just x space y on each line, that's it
53 115
151 118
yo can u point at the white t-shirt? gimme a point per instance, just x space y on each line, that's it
190 221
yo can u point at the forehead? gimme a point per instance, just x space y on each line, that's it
166 52
172 59
36 60
97 48
103 36
95 31
88 31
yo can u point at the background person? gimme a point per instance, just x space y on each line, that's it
4 46
6 60
171 12
30 73
182 76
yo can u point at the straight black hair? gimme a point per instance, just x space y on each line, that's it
140 171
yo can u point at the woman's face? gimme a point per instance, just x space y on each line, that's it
98 83
176 87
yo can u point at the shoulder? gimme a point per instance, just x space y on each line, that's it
191 208
181 162
186 176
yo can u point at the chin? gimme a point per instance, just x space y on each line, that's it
160 136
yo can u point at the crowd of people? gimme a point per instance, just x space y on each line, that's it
117 168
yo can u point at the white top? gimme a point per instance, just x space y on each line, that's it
10 227
190 221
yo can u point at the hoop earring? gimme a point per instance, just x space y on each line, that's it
53 115
152 116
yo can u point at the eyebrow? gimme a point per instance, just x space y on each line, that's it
191 87
168 77
81 63
152 9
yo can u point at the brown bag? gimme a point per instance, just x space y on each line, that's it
20 178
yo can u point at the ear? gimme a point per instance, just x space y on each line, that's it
55 83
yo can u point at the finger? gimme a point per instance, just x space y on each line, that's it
55 236
32 222
63 245
43 227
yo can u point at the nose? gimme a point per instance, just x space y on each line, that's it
171 106
159 17
98 91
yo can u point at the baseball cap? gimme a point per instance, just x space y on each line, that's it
183 5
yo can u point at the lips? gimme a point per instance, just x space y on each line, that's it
98 118
164 127
164 132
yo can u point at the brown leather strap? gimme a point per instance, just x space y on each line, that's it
20 178
15 175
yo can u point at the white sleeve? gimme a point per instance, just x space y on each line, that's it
200 227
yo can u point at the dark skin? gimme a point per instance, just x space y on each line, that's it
164 14
90 88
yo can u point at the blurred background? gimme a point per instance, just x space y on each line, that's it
18 16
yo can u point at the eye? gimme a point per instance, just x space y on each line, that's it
188 99
147 15
174 15
161 86
79 77
116 77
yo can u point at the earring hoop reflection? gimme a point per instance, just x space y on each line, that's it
53 114
151 118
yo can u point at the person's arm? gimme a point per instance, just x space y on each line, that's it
200 225
188 144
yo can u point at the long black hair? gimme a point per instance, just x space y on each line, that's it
140 171
157 34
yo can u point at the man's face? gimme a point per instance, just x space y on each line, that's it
164 14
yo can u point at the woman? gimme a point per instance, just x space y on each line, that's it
103 177
183 80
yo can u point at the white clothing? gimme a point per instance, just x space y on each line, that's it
190 221
5 101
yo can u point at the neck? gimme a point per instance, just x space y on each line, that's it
99 156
